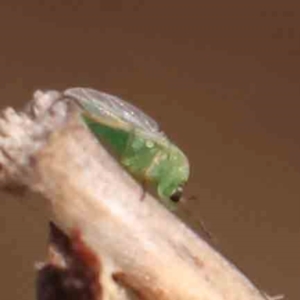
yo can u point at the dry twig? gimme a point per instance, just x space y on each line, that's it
143 251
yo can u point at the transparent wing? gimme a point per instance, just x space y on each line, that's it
106 105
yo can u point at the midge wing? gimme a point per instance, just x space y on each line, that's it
106 105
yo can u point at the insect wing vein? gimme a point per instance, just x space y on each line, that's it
112 107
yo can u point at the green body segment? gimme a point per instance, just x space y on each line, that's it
148 159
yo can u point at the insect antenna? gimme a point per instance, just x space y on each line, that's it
187 212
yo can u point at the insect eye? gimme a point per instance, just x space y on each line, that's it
176 196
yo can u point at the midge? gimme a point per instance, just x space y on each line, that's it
135 139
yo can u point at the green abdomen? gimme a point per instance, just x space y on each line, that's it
116 139
133 150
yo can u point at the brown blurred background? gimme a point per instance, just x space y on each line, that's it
222 79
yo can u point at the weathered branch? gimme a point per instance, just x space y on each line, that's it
143 249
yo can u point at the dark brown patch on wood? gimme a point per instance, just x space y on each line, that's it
124 281
138 288
77 278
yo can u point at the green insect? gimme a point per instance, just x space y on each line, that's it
135 139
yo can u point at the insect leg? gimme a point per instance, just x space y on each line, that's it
144 190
